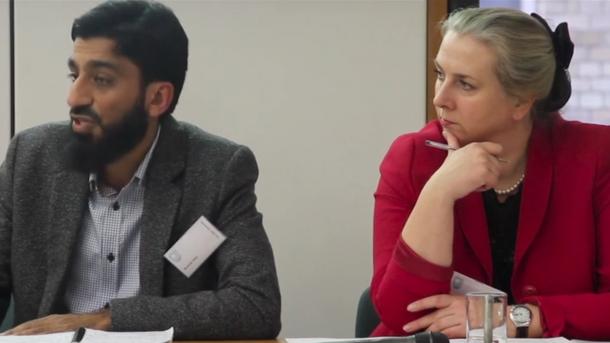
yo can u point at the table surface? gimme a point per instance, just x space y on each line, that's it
241 341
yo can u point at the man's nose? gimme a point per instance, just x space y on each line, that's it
79 94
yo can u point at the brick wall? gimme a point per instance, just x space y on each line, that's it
590 69
589 24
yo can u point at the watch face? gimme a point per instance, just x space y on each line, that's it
521 314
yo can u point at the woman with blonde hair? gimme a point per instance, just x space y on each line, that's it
520 201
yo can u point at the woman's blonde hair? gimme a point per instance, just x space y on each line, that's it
526 62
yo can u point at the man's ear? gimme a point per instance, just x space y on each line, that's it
523 107
159 96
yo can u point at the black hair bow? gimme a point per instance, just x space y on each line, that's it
562 44
564 49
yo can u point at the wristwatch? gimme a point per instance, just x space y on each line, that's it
521 316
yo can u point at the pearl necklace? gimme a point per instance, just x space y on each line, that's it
511 188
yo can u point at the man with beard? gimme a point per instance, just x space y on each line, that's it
89 208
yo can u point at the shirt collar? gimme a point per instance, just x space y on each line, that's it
140 173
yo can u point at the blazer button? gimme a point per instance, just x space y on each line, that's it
529 290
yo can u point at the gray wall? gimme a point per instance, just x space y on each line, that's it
4 77
318 90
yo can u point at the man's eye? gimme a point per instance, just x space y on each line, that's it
72 76
102 81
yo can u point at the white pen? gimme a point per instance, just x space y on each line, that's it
443 146
439 145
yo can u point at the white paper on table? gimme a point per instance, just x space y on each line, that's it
61 337
96 336
525 340
459 340
462 284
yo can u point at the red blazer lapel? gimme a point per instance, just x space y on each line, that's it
469 211
470 218
536 189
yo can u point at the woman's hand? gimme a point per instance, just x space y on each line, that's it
535 330
449 316
467 169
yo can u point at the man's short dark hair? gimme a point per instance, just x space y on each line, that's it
146 32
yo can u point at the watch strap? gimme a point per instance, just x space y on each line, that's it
522 331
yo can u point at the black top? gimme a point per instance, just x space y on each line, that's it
502 221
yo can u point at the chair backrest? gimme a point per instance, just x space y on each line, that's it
367 318
7 323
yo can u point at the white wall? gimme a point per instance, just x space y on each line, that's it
318 90
42 48
5 107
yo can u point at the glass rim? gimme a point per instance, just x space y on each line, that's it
480 294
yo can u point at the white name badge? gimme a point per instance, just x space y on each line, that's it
462 284
195 246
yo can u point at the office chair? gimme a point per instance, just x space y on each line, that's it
367 318
8 317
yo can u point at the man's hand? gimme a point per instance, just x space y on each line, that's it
63 322
449 317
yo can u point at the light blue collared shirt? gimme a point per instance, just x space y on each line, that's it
106 262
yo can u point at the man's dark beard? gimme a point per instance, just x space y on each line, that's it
89 155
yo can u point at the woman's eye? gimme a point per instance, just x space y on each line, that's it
466 86
439 74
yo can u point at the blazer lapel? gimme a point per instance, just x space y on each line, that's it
161 204
66 204
469 211
536 190
471 219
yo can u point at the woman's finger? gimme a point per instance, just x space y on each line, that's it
431 302
452 141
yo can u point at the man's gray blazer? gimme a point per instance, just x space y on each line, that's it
234 294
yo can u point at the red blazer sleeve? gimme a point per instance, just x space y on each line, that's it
400 276
587 315
572 278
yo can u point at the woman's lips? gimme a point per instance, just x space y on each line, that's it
445 122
